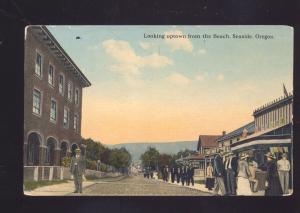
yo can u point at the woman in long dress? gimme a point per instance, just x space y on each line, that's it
209 177
273 183
243 183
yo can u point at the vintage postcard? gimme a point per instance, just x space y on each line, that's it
158 110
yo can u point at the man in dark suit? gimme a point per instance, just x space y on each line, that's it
191 174
77 169
166 173
178 174
172 174
234 166
231 170
219 173
188 175
182 175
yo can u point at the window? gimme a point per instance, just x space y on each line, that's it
38 65
70 91
66 118
76 96
51 75
61 84
75 127
53 110
37 96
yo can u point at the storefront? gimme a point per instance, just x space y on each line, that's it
277 140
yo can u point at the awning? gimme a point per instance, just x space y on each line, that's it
262 142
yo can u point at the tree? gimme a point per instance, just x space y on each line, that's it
184 153
164 159
150 157
120 158
105 155
93 150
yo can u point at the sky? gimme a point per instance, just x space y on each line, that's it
172 89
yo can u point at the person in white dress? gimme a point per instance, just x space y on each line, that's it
243 183
283 167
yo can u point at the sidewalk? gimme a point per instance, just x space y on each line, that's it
202 188
57 189
197 186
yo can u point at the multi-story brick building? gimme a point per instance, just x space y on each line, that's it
53 100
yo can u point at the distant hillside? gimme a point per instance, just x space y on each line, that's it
136 149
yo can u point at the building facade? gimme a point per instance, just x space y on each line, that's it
234 136
277 113
273 130
206 142
53 100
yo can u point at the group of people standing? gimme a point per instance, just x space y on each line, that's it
233 175
183 174
148 172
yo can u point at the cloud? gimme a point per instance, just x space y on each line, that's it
146 45
201 76
178 79
121 51
128 62
220 77
178 43
157 61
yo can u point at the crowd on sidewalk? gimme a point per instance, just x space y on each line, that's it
236 175
230 174
183 174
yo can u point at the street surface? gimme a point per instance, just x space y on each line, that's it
138 185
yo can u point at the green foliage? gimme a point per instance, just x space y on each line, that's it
150 157
91 164
120 158
95 151
103 168
66 161
185 153
31 185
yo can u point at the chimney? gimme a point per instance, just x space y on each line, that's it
224 133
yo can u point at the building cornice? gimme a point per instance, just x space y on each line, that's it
273 104
48 39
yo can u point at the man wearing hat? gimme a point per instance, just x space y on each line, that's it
231 165
219 173
283 167
77 168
